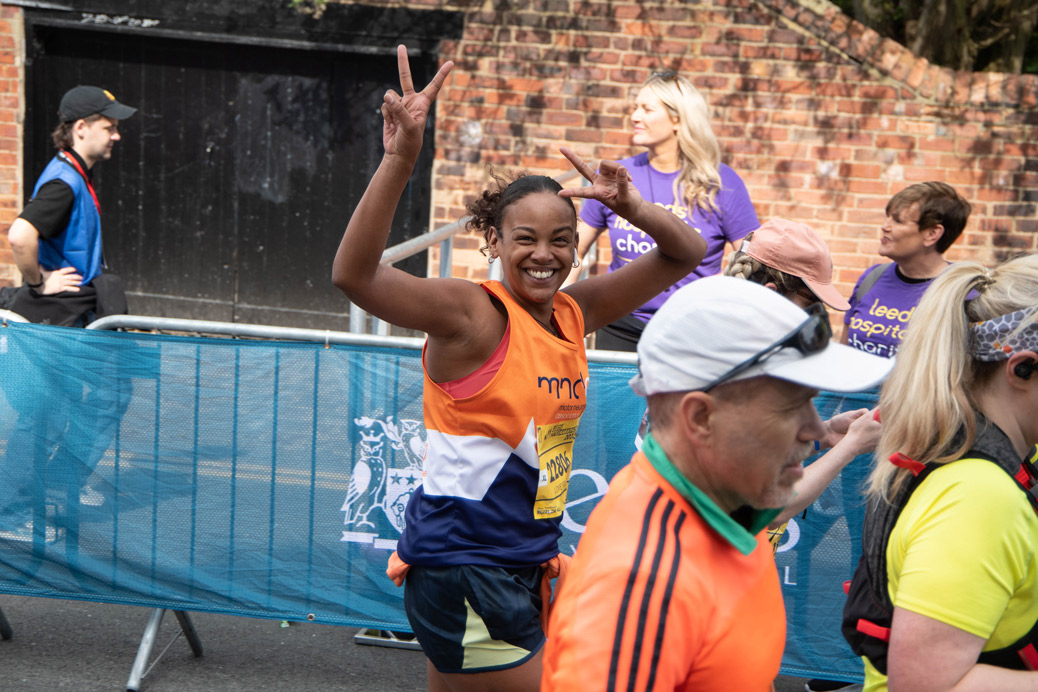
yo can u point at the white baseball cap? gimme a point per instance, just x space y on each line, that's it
713 326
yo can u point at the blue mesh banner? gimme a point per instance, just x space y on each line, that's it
268 479
817 554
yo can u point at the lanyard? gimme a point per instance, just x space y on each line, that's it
68 158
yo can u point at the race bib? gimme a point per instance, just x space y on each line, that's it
555 456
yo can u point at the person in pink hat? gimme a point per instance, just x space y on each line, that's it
790 258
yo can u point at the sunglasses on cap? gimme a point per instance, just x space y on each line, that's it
811 336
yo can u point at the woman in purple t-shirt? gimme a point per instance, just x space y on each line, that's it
923 220
682 172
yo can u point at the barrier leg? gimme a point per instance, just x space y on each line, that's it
387 638
144 650
140 663
188 628
5 627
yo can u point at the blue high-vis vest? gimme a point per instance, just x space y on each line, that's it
79 245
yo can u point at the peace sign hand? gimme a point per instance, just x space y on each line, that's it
611 185
404 115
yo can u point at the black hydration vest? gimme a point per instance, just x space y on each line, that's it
868 613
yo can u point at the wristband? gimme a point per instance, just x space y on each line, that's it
37 284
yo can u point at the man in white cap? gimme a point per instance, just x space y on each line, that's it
674 586
56 240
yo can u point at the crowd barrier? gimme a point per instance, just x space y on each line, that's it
267 478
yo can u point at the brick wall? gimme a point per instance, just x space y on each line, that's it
822 118
11 114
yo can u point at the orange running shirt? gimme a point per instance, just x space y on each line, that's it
665 593
497 463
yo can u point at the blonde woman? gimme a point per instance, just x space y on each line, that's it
946 594
680 170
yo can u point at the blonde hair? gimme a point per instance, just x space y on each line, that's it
742 266
698 151
931 393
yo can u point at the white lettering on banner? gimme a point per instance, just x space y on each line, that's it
786 580
601 486
791 537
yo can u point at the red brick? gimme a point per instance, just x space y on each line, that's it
889 54
729 50
830 153
1029 91
936 143
856 106
750 51
978 88
895 142
784 36
563 118
872 187
996 88
744 33
837 90
583 135
904 66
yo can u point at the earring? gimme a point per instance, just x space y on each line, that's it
576 260
490 260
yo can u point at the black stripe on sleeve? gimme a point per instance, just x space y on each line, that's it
668 592
626 600
650 587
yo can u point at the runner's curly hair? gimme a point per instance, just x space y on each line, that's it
488 209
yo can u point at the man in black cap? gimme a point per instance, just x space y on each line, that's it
56 240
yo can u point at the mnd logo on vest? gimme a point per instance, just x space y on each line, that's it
559 385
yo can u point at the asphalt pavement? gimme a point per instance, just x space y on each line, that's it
78 646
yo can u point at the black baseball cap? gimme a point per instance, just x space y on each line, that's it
82 101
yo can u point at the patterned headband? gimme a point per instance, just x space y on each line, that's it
994 340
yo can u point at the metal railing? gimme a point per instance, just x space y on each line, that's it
8 316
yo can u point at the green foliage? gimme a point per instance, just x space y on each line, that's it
1031 54
977 41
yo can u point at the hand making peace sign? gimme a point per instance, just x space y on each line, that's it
611 184
405 114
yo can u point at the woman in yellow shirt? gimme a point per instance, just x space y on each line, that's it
951 533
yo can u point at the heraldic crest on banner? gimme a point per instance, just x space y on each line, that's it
385 475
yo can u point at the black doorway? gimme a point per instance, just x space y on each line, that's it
229 192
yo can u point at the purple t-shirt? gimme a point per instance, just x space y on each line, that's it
876 323
734 220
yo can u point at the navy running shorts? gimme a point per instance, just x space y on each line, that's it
475 619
